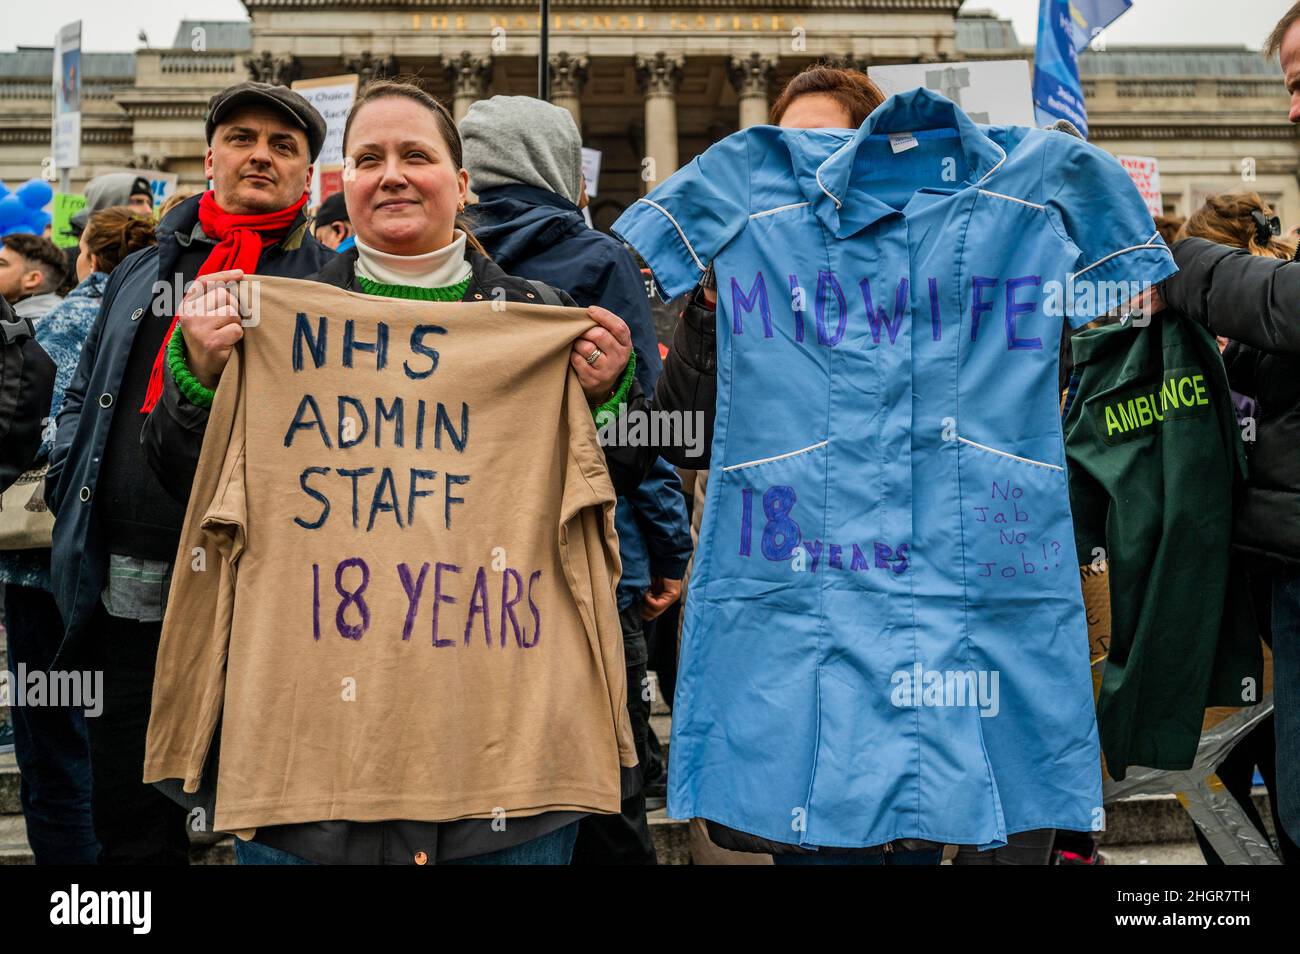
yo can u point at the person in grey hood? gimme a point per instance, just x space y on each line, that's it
524 158
114 188
104 192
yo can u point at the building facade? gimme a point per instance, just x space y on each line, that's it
649 86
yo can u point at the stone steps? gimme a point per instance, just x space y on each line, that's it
1143 830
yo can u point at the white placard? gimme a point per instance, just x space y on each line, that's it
66 126
994 92
333 97
1145 173
591 170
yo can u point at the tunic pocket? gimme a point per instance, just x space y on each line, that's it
1017 534
762 513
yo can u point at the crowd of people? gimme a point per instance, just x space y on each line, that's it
435 210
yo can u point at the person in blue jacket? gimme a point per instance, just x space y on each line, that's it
524 158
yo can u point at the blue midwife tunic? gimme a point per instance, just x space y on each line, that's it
885 636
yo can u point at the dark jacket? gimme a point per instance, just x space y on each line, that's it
26 384
539 235
1155 462
689 384
1255 301
79 565
533 233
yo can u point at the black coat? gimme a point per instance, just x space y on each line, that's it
1255 301
689 384
26 386
79 564
173 435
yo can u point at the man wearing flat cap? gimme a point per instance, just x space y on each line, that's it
118 523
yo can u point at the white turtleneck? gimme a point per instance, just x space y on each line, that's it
437 269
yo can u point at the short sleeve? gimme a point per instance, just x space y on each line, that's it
685 222
1106 218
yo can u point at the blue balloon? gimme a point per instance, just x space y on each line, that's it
21 227
35 193
39 219
12 211
4 189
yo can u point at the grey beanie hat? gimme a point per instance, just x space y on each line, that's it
519 140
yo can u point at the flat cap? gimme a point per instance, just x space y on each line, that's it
280 98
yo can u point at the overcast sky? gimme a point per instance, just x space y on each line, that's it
114 24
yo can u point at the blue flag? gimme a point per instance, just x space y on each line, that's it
1064 28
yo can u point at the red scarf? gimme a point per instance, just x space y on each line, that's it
241 240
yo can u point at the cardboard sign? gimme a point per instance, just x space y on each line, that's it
994 92
1145 173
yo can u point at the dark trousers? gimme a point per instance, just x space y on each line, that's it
1022 848
624 839
49 741
135 823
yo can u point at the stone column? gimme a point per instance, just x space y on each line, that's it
470 76
568 76
269 68
368 67
752 78
658 77
147 160
850 61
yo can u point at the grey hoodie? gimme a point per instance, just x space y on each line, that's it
106 191
36 306
519 140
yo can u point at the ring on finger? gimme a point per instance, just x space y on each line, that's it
592 358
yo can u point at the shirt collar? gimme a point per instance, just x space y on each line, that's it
844 209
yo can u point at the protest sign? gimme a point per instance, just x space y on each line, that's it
333 97
63 208
591 170
66 131
1145 173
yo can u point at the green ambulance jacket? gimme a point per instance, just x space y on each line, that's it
1155 459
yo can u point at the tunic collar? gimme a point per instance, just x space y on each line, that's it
845 210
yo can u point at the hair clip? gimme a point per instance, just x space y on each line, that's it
1266 227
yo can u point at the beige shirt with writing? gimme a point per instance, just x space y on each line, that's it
395 585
